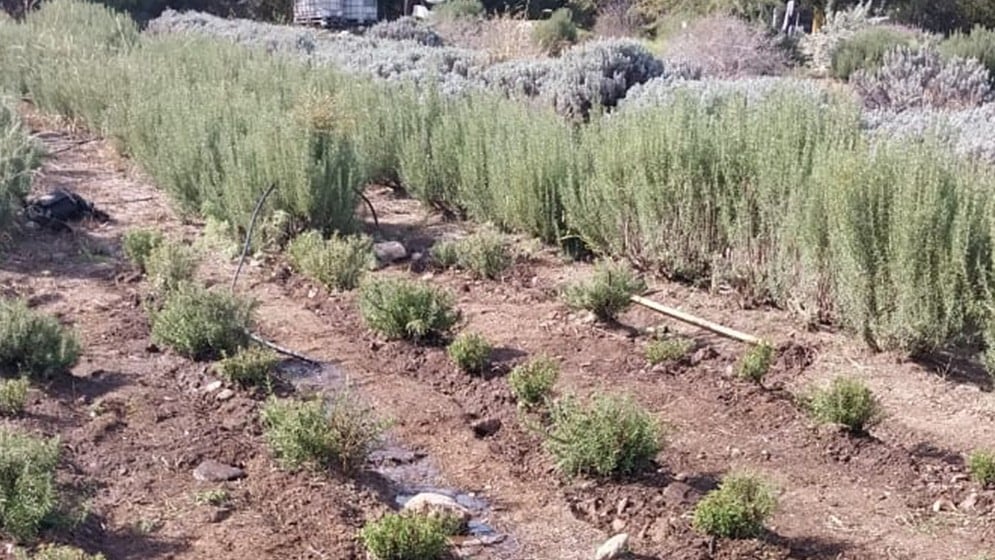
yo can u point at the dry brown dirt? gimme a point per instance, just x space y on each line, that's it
135 420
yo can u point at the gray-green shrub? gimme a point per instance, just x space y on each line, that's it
28 495
755 363
981 465
458 9
138 245
484 253
667 350
470 352
338 433
169 264
57 552
200 323
19 157
33 342
865 49
607 436
979 44
738 509
607 292
407 309
250 366
846 401
557 32
533 381
401 536
338 262
13 394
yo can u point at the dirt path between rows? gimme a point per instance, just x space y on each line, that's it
136 421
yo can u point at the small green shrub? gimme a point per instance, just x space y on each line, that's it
608 292
202 324
20 155
139 244
399 536
755 364
250 366
979 44
34 342
848 402
608 436
668 350
338 433
532 381
339 262
865 50
737 509
27 483
470 352
170 264
13 394
57 552
556 33
406 309
483 253
459 9
216 497
981 465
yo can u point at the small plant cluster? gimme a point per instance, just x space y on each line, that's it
556 33
672 349
485 254
847 402
607 293
28 493
201 323
533 381
458 10
470 352
34 343
404 536
737 509
405 309
339 262
249 367
978 44
755 363
981 465
607 436
13 394
339 433
170 264
19 157
138 245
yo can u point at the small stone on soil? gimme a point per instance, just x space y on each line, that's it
486 427
943 504
225 395
617 525
428 503
213 471
212 386
390 251
613 547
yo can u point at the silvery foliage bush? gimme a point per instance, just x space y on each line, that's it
970 132
727 47
386 59
522 78
406 28
598 73
817 48
922 77
659 91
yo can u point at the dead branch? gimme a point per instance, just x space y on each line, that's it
697 321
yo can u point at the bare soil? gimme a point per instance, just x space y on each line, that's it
136 420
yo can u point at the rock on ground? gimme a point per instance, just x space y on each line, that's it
613 547
213 471
430 503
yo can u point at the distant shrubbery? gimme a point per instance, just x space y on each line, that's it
866 49
19 156
338 263
883 235
556 33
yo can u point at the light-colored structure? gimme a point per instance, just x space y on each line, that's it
335 12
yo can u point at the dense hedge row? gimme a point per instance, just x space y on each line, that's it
780 195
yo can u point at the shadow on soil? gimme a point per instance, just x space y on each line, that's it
958 366
811 548
124 544
72 255
70 388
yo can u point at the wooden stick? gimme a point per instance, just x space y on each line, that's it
696 321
